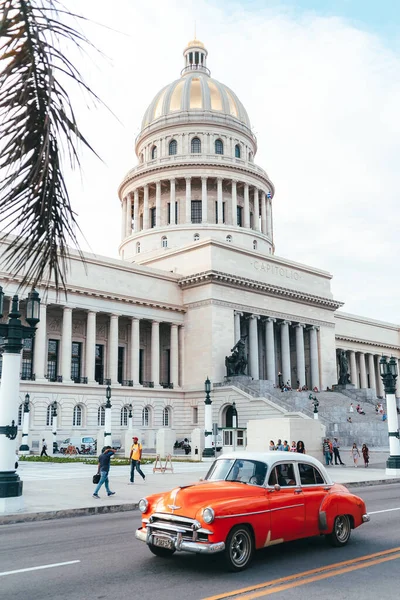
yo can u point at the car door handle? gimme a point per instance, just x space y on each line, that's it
298 491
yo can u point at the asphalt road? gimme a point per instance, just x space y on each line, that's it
98 557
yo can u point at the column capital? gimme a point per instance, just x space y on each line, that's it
146 187
188 178
270 320
254 317
204 178
172 180
313 327
157 182
66 308
237 312
155 322
135 318
286 323
90 311
174 325
299 325
219 179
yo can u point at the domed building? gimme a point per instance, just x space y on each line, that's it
198 292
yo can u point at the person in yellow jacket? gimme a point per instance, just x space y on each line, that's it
135 457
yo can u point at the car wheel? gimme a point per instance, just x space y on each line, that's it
239 548
162 552
341 531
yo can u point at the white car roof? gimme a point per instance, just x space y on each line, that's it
277 456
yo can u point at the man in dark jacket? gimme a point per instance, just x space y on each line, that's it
103 468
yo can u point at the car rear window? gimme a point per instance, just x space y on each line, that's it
309 475
283 475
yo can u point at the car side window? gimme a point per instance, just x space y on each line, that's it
309 475
282 475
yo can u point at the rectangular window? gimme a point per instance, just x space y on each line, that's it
141 365
223 212
27 358
121 352
196 214
216 212
76 356
153 217
195 418
52 360
239 216
99 364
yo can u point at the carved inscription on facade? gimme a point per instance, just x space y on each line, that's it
54 325
284 272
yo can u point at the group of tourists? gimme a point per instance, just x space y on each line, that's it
355 453
284 446
330 450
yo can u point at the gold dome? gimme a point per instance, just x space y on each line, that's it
195 44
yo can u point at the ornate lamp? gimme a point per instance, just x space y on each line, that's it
388 372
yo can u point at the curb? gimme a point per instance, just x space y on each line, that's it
115 508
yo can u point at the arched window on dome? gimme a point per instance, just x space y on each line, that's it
219 147
196 237
141 158
195 146
137 247
237 151
154 152
254 244
164 242
229 238
172 148
250 157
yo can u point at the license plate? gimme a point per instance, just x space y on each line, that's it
162 542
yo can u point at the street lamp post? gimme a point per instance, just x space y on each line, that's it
388 372
234 424
24 447
13 334
54 425
208 451
130 418
107 418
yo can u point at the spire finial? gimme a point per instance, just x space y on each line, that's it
195 30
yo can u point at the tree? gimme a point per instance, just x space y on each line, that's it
38 131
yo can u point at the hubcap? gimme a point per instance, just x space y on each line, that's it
342 528
240 548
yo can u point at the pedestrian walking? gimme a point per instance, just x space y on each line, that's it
326 452
336 453
44 448
271 446
135 456
103 468
300 447
355 454
365 453
330 451
351 409
279 445
293 447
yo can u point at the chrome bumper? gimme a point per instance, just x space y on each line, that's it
182 545
366 518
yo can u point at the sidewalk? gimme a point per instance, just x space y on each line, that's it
53 490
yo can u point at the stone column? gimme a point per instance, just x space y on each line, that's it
253 340
174 355
237 316
263 214
234 203
269 219
353 368
66 344
181 353
300 359
270 348
363 371
172 192
256 202
188 207
113 350
314 358
285 351
204 200
220 218
155 353
136 211
128 215
379 389
123 219
40 346
158 203
90 346
135 346
145 207
246 216
371 369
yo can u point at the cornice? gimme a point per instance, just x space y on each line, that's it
354 340
260 312
212 276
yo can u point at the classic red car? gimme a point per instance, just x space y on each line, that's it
250 501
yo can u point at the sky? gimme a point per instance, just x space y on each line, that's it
320 80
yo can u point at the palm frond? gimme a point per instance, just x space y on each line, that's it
38 129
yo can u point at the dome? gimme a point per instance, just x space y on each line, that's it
195 91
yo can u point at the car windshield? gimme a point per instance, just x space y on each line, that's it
245 471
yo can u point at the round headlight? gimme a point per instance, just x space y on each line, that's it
143 504
208 515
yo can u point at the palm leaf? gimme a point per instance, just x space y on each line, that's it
38 129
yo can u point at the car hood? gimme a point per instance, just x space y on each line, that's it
187 500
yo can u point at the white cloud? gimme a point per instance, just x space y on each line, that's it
323 98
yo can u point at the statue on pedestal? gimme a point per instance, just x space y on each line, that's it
344 377
236 363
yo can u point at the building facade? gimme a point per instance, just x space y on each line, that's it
197 271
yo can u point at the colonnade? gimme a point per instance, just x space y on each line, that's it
364 370
271 334
131 366
136 203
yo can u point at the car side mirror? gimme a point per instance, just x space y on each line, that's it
201 479
277 487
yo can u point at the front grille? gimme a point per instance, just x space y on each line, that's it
190 529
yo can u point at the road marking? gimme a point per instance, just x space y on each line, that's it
63 564
324 572
377 512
